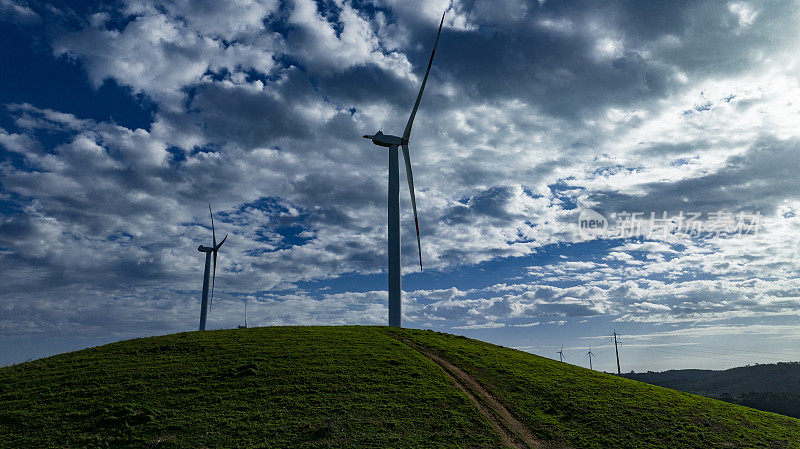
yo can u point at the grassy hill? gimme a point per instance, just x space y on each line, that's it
773 387
352 387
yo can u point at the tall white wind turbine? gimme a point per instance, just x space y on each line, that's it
210 251
393 143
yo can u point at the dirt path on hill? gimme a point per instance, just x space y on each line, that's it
513 433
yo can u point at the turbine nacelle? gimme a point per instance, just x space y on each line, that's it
210 249
385 140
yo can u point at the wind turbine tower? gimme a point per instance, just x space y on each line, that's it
561 354
245 315
590 358
393 143
211 252
616 350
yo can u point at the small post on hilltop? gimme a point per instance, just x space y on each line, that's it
619 372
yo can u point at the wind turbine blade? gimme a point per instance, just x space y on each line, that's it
213 235
407 158
213 278
407 132
220 243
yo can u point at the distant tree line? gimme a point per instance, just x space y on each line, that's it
769 387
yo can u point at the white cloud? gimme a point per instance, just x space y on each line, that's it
743 12
529 112
17 11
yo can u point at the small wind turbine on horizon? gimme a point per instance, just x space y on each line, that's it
393 143
210 252
561 354
590 357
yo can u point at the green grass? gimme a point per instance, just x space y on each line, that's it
587 409
346 387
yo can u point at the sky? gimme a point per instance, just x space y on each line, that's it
121 121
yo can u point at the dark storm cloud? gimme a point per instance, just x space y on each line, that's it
760 179
660 149
250 118
495 203
553 56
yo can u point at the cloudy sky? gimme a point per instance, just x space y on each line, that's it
120 122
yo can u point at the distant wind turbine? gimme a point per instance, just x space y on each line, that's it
393 143
590 357
561 354
212 250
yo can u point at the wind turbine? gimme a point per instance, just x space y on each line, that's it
393 143
561 354
590 358
209 250
245 316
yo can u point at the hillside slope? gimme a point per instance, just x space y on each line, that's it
771 387
352 387
776 377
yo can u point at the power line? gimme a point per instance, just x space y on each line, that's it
703 351
734 350
692 350
744 355
754 351
670 352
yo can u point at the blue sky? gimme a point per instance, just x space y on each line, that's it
121 121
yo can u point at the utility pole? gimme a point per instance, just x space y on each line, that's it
619 372
590 358
561 354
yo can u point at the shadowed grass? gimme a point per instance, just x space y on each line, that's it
346 387
262 387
